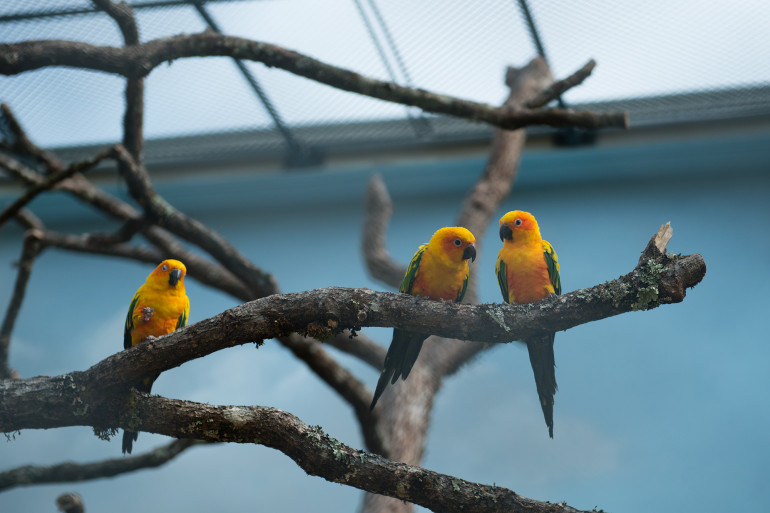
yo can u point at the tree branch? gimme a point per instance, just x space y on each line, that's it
21 144
561 86
141 188
123 15
379 208
107 244
323 312
158 210
312 449
29 251
350 388
52 180
70 503
139 60
72 472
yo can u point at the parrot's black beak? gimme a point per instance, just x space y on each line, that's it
470 252
174 277
506 233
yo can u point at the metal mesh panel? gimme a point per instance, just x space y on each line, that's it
664 62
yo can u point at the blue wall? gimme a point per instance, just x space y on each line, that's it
663 410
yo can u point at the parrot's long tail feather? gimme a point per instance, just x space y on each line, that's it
129 437
544 368
402 354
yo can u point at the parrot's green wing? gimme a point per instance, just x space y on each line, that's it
130 322
553 266
502 278
182 322
411 271
461 294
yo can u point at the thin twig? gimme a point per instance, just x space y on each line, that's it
29 251
108 244
52 180
23 145
560 87
28 220
69 472
20 171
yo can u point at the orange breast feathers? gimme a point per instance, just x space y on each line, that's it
523 260
161 320
527 272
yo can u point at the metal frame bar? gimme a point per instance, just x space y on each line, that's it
419 123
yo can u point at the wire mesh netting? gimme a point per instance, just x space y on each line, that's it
664 62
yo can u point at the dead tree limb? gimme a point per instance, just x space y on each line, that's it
140 60
72 472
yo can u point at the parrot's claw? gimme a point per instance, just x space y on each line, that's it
147 313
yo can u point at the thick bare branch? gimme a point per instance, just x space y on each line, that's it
142 59
72 472
379 208
312 449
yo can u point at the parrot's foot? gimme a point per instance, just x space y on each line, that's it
147 313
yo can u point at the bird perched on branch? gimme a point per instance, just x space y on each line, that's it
439 270
159 307
527 271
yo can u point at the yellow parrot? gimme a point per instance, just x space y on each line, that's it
439 270
159 307
528 270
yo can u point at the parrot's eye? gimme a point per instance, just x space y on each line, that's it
517 222
165 267
458 242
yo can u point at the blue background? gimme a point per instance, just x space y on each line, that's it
665 410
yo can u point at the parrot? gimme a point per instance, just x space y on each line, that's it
159 307
527 271
438 271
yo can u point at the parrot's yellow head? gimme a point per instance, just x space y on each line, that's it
518 225
169 273
454 243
